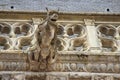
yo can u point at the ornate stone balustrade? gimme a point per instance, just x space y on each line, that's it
18 36
85 47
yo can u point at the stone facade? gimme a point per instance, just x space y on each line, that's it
59 46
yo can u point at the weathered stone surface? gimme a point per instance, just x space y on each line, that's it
78 57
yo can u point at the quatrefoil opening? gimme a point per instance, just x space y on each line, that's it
60 30
77 34
4 43
22 29
107 31
5 29
106 34
61 44
24 43
76 30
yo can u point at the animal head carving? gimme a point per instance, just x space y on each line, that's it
52 14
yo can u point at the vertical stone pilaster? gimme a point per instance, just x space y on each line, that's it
92 39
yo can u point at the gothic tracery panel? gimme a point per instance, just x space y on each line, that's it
106 34
72 37
15 36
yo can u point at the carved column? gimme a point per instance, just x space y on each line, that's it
92 39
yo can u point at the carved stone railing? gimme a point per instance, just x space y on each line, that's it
87 48
19 36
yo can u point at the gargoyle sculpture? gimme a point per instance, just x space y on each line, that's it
46 34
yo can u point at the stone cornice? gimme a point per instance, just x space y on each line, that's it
62 16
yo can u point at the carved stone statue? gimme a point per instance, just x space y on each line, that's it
46 34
